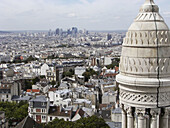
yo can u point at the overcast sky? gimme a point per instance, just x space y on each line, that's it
84 14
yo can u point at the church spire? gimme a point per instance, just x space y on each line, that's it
149 11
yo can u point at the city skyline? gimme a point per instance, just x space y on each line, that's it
88 14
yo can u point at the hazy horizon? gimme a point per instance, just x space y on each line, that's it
63 30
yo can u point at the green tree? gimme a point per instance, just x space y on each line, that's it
69 73
86 76
21 112
30 58
42 76
111 66
14 111
88 73
35 80
28 84
53 83
89 122
65 74
60 123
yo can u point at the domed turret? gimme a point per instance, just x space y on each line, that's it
144 78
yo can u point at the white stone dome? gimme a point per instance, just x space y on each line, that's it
145 61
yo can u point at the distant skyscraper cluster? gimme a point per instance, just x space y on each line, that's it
71 31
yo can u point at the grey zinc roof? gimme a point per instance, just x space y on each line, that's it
117 111
26 98
114 124
41 98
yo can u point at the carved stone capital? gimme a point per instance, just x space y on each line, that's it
129 111
140 112
123 109
154 112
166 112
122 106
168 109
126 107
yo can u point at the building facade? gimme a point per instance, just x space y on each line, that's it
9 89
144 78
38 108
1 74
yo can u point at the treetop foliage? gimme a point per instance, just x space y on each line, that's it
86 122
14 111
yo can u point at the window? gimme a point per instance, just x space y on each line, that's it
43 110
51 118
31 104
6 96
43 103
43 117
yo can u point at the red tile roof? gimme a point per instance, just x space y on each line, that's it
52 89
33 90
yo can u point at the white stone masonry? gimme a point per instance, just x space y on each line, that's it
144 78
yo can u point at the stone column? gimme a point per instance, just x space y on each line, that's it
168 116
124 117
153 122
141 118
130 118
164 119
169 121
141 121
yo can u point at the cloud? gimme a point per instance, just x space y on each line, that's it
117 17
166 13
84 1
89 14
71 15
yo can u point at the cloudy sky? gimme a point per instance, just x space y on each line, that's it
84 14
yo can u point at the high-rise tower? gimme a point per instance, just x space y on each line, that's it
144 78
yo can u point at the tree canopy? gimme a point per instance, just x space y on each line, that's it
88 73
86 122
29 82
53 82
115 62
69 73
14 111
